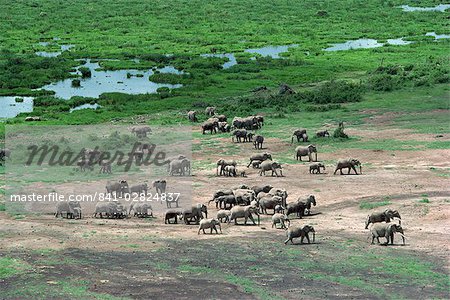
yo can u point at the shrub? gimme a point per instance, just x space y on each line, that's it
76 83
85 72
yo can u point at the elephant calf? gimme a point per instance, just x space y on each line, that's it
387 231
300 232
315 168
209 223
223 215
280 219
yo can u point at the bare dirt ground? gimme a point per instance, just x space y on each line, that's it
401 177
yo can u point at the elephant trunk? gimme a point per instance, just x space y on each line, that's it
360 169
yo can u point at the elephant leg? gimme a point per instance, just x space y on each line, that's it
349 168
307 238
354 169
199 231
204 231
340 170
335 171
251 218
301 239
378 240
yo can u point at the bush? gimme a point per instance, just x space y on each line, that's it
339 133
76 82
85 72
332 92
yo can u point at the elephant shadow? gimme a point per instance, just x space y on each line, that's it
306 244
395 245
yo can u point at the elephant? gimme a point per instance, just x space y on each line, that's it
260 119
139 189
222 163
248 123
280 193
256 164
230 171
270 166
300 206
259 156
243 212
305 151
84 165
105 167
141 209
209 223
258 143
119 188
110 209
223 215
322 133
71 208
300 232
280 219
221 118
350 164
239 134
4 153
210 110
315 168
172 214
387 231
192 116
265 188
194 214
180 166
249 137
298 134
121 212
141 132
210 125
384 216
224 127
279 209
220 193
223 201
269 202
160 186
244 196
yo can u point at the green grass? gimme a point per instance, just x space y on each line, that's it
424 200
10 267
372 205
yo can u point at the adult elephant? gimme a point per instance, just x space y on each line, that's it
260 156
276 191
305 151
244 196
210 110
350 164
384 216
270 166
71 208
160 186
300 206
298 134
192 116
258 143
269 202
245 212
118 188
239 135
387 231
180 166
210 125
141 132
222 163
261 188
195 214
